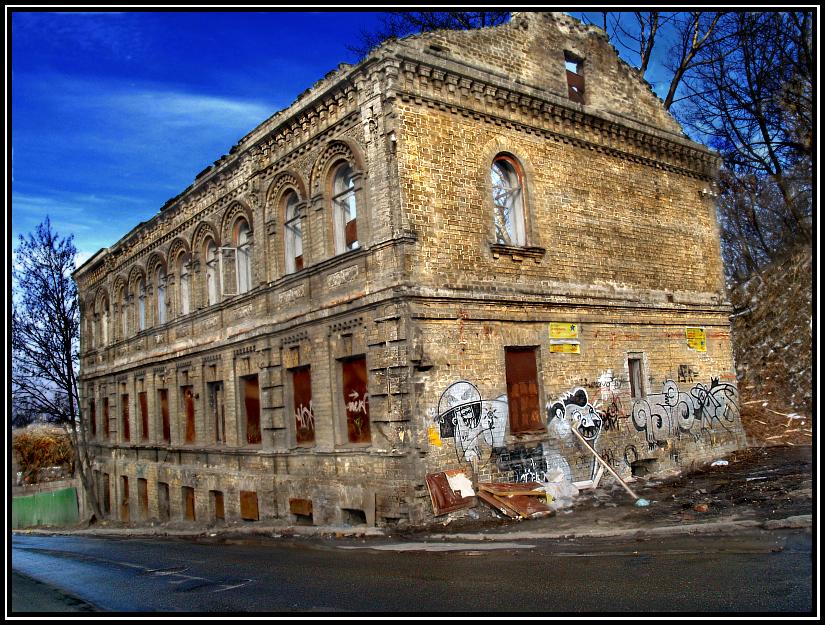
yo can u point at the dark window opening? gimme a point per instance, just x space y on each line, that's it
124 409
634 366
352 516
301 510
252 409
356 400
107 501
124 501
106 429
144 415
522 389
216 409
92 418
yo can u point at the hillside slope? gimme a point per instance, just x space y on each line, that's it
772 338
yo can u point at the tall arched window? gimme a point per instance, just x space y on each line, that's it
160 288
92 326
293 235
508 201
212 275
344 209
141 289
104 323
124 310
243 256
183 281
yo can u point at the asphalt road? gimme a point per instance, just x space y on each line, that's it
755 571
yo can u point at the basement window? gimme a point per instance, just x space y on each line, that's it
575 77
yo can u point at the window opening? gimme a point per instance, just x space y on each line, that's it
144 415
252 409
575 77
188 495
184 283
141 305
124 411
302 405
212 275
143 498
124 502
189 412
293 235
356 400
345 213
508 205
216 409
634 366
161 290
163 400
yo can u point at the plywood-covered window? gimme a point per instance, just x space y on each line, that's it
302 405
188 400
143 498
251 396
216 410
163 501
124 413
124 498
188 501
522 389
249 505
143 406
163 404
216 501
356 400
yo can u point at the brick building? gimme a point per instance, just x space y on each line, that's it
444 257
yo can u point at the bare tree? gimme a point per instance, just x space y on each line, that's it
45 340
397 24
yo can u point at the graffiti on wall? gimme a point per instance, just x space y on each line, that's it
672 412
477 425
532 464
574 409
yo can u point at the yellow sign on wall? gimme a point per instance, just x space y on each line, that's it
564 330
696 339
565 348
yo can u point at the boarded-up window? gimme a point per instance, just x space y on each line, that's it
92 418
144 415
252 409
216 409
634 366
105 494
189 413
302 405
188 496
163 401
356 400
163 501
217 505
124 498
143 498
249 505
522 389
124 411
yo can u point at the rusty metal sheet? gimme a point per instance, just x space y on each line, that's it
249 505
575 87
526 505
442 496
522 389
301 506
513 488
497 504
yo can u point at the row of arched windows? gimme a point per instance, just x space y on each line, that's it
228 269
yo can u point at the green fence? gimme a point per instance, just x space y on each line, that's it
56 508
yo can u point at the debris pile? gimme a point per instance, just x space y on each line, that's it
516 500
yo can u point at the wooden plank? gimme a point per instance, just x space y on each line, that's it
513 488
526 505
495 503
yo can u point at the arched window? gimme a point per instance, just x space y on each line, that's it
183 280
293 235
104 323
141 289
212 275
160 287
243 256
92 326
344 209
508 201
124 316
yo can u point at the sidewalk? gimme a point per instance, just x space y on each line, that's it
768 488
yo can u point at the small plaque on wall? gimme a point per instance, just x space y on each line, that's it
565 348
564 330
696 339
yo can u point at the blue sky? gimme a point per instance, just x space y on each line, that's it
114 113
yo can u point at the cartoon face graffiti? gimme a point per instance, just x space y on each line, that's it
574 410
476 425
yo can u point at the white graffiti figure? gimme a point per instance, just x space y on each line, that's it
476 425
575 410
